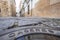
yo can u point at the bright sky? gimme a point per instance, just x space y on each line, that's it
18 3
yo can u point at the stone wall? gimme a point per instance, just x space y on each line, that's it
5 7
47 9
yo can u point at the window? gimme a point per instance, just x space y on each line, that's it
0 10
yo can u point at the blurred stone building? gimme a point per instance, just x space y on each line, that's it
25 7
7 8
46 8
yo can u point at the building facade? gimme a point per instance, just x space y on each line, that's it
7 8
46 9
25 7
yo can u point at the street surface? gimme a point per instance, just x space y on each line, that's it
11 28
